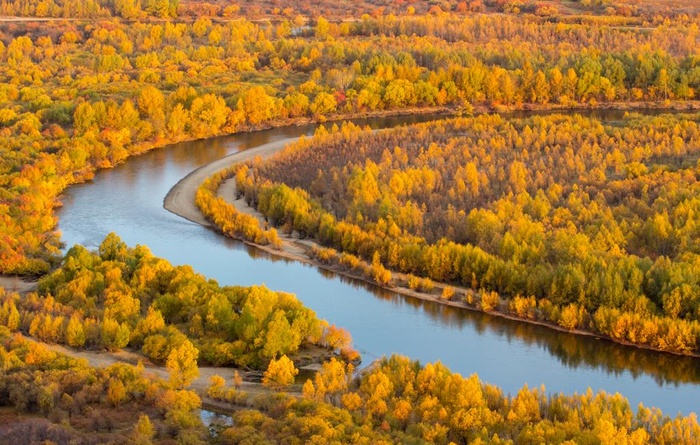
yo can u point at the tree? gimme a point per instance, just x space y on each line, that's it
399 93
280 373
84 118
257 105
332 381
75 333
114 335
177 121
116 392
280 337
237 379
112 248
323 104
208 114
182 365
128 9
151 104
322 28
144 431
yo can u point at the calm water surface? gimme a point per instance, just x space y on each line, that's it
129 201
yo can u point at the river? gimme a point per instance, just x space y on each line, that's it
128 200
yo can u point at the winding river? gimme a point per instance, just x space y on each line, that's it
129 201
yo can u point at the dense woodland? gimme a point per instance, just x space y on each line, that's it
561 218
125 297
340 9
586 224
400 401
58 399
82 95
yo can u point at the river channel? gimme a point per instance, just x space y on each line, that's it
128 200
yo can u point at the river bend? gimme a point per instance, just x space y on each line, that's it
128 200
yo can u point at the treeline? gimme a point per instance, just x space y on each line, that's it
124 296
297 9
401 401
225 217
602 237
127 9
79 96
58 399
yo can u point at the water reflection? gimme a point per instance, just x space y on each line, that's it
573 351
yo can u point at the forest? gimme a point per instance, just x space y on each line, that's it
61 399
84 95
560 218
48 397
599 237
125 297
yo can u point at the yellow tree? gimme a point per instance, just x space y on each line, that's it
177 121
144 431
332 380
257 105
280 373
207 115
75 333
151 104
323 104
182 365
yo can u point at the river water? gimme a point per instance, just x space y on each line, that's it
128 200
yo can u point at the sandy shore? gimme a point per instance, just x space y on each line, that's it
180 199
14 283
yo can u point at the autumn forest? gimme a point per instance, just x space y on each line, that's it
526 199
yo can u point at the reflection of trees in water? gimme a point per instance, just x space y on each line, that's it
664 368
574 351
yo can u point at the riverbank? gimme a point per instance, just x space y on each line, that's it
296 249
250 384
180 199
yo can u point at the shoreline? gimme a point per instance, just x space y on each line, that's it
180 198
295 249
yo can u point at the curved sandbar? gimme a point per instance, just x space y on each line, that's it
180 200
